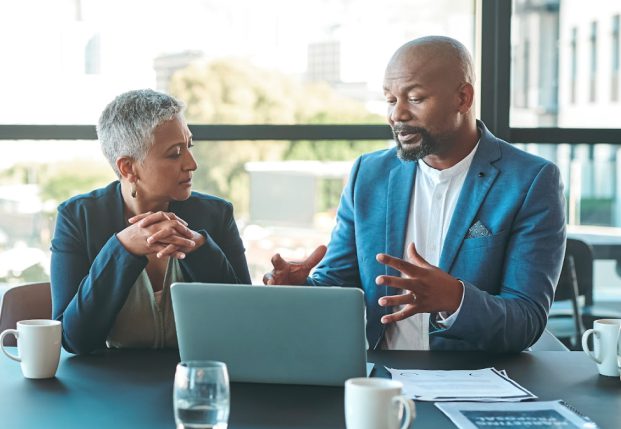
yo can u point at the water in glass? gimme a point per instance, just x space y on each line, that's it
201 395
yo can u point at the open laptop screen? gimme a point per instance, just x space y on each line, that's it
275 334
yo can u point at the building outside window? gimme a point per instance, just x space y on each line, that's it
593 70
615 53
574 64
577 93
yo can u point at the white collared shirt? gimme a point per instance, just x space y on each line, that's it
431 209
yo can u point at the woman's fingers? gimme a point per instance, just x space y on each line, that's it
153 218
175 217
138 218
171 239
171 231
171 227
172 251
150 218
163 250
164 234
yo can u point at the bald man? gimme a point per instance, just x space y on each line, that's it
456 237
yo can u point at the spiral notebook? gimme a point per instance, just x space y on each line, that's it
515 415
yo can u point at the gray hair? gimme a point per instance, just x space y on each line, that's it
126 125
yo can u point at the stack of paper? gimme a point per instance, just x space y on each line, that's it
481 385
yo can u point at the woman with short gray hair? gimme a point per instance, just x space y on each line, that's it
117 250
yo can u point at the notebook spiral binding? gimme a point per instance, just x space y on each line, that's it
589 424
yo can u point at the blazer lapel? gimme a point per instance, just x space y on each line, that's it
479 180
117 209
399 195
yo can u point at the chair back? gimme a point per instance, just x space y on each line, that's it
23 302
582 255
575 284
567 289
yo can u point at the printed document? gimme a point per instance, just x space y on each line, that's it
545 414
484 385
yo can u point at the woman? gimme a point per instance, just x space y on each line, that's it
116 250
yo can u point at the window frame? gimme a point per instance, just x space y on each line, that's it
495 75
493 20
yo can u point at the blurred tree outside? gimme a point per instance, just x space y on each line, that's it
233 91
222 92
60 180
31 228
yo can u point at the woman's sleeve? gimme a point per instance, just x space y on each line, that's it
87 296
222 258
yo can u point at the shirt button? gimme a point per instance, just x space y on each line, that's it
439 197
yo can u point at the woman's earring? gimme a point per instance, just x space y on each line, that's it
133 190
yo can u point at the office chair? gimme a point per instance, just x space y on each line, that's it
567 325
23 302
575 286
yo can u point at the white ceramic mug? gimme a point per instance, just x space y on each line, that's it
372 403
605 345
38 347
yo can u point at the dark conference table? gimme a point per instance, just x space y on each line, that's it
133 389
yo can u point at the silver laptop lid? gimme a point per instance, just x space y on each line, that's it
275 334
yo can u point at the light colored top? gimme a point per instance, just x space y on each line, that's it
146 319
431 210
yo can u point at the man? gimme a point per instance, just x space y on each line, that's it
480 224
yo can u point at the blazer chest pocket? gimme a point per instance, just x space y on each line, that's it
488 241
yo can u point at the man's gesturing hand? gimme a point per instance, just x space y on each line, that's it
427 289
293 273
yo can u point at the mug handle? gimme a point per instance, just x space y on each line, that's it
4 334
409 410
585 346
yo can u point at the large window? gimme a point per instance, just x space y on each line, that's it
231 62
564 53
549 82
573 104
570 86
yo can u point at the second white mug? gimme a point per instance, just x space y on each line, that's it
372 403
605 345
38 345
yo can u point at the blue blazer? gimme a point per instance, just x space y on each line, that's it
92 273
509 275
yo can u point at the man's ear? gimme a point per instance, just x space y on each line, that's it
126 167
465 95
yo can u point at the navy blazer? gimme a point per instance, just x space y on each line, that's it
509 271
92 273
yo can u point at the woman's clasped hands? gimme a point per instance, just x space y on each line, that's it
161 233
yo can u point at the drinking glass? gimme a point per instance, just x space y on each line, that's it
201 395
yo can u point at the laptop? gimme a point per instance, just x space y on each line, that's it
273 334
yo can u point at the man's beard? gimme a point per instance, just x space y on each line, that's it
427 145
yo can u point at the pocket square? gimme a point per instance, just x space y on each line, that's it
478 230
